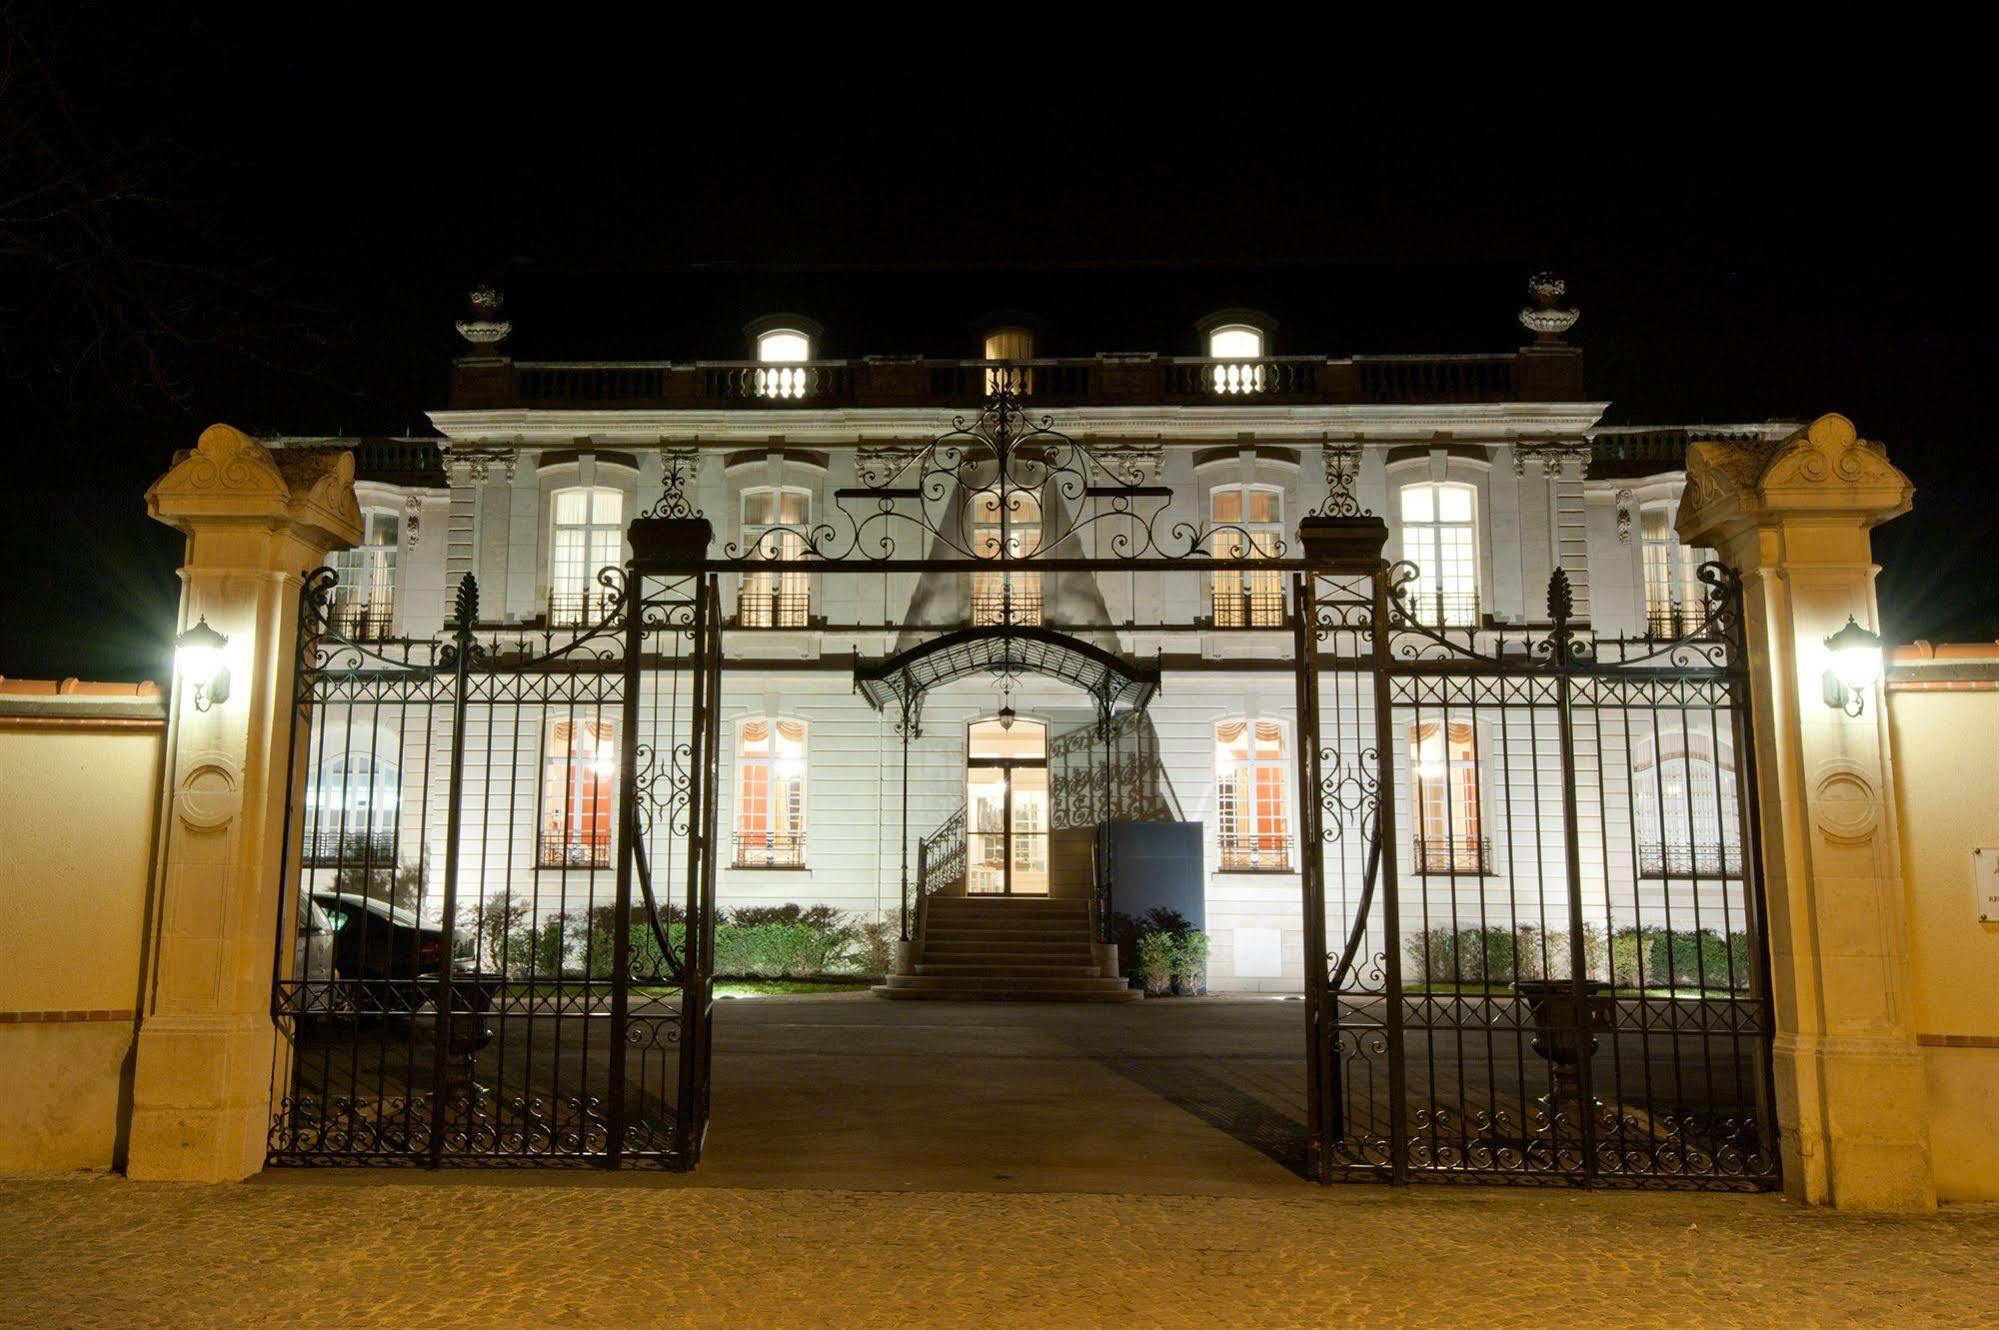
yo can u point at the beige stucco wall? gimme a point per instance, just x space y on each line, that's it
1947 804
78 813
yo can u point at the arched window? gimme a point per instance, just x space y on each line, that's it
1443 758
579 793
1236 341
775 522
784 350
1440 537
1675 599
1252 796
1248 522
1010 344
351 806
770 793
1684 801
1005 526
364 599
587 536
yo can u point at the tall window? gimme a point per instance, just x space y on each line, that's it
1014 344
1675 600
774 526
1236 341
1251 805
364 599
579 793
1684 796
352 805
1009 527
588 536
1249 524
1444 758
770 793
1440 537
781 356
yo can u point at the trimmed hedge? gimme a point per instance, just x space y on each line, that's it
1647 957
752 942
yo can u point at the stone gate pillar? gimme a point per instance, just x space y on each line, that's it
256 521
1793 517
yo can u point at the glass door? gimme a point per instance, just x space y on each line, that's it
1006 808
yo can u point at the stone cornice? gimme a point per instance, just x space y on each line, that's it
1825 470
1498 422
230 476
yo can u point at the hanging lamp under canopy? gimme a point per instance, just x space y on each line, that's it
1006 651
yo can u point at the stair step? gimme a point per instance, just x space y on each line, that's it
1010 995
1003 983
1001 955
1005 970
1028 935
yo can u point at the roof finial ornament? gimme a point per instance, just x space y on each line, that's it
1547 319
484 327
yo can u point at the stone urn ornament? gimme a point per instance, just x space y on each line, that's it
1566 1026
1548 318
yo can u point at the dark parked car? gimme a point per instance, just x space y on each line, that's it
387 957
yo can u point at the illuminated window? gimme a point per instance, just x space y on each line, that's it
579 793
1444 759
1248 522
1236 341
364 599
1252 808
1683 789
1006 527
775 522
785 349
770 793
587 537
351 810
1440 537
1016 344
1675 598
1007 812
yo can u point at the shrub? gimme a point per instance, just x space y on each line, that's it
1157 952
1190 962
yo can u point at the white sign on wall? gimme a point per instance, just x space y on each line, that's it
1985 883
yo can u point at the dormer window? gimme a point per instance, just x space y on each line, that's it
1236 335
784 345
1012 343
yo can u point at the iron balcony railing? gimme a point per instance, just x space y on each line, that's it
773 609
578 847
352 846
1685 859
1437 609
1022 602
1255 854
1455 854
580 609
1677 621
770 849
361 620
1109 379
1236 608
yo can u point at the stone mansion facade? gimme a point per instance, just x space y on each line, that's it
1493 472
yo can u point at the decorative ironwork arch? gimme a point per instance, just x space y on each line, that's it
1007 651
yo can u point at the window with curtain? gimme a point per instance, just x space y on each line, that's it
1684 801
1249 524
1252 808
364 599
1012 522
1236 341
1675 599
1013 344
781 356
587 536
775 522
1440 537
579 793
1443 757
352 803
770 793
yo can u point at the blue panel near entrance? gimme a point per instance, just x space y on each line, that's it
1158 865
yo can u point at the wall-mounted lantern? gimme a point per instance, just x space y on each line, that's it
1856 664
199 661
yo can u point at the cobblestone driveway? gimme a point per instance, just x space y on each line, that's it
518 1252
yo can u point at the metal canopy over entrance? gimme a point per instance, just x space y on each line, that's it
1007 650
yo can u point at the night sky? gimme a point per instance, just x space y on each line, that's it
1746 242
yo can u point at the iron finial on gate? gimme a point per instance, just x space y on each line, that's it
466 612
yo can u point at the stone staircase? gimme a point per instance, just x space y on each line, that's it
1007 949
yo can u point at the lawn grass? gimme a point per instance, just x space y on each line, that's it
784 987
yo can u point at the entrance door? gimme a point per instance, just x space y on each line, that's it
1006 801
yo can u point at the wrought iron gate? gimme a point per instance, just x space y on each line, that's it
1535 895
466 973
